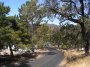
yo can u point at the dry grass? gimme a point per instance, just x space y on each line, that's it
74 58
84 62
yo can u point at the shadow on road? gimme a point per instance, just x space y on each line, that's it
51 53
16 61
48 53
17 64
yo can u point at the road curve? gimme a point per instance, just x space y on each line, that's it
51 59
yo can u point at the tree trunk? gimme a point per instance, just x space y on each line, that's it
58 46
85 38
33 49
11 51
87 48
87 43
30 28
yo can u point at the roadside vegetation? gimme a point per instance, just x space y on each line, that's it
74 58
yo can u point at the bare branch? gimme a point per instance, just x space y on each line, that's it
66 16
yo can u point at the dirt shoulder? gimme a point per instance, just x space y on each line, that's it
74 58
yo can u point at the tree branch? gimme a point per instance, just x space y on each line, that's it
66 16
82 7
74 4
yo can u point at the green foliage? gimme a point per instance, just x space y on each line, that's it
66 36
24 46
31 12
3 9
42 35
13 31
23 32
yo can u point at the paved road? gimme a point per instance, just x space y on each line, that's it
50 59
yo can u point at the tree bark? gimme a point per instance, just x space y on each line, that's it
87 44
11 51
87 48
85 38
58 46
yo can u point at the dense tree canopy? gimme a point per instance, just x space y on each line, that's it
31 13
76 11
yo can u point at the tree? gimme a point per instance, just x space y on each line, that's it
65 36
9 33
74 11
42 35
3 9
32 14
23 34
5 27
13 30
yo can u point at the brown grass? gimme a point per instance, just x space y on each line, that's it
75 58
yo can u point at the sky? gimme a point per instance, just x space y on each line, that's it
15 4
